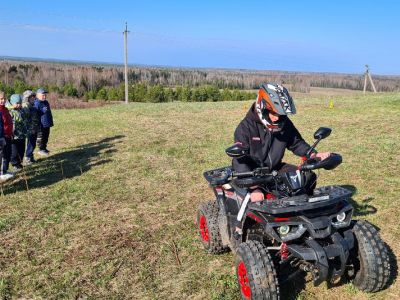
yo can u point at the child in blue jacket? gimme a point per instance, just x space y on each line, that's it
46 120
20 131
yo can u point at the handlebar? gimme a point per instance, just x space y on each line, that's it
316 163
256 177
310 164
223 175
262 171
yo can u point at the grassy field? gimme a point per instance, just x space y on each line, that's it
110 214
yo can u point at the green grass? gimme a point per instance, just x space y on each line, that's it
109 212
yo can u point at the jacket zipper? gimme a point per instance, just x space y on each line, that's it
269 148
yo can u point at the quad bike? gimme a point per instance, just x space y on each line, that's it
290 231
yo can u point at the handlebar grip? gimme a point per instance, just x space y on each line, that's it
243 174
328 164
255 172
307 167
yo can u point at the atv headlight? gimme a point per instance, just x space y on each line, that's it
341 217
291 232
283 230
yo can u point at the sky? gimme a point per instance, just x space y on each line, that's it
309 36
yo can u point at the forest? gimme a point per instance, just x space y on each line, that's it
162 84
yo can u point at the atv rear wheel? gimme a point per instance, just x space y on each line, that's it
207 222
256 272
371 264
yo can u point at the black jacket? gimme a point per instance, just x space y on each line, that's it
266 146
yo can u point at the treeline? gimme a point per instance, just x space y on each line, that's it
18 87
85 78
157 93
351 82
140 92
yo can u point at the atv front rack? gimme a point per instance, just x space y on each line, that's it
323 196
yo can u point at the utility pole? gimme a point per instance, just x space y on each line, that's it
91 78
126 61
368 75
5 72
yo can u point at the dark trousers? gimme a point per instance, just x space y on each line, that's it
5 162
17 152
1 154
31 144
43 138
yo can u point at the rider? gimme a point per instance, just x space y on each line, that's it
268 131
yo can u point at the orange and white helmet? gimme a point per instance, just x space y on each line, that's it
274 98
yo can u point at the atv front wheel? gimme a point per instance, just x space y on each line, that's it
207 222
371 264
256 272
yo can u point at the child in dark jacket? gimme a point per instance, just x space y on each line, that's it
8 133
20 131
46 120
33 122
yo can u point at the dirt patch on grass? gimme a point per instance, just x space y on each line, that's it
70 103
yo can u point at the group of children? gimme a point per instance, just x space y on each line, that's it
24 121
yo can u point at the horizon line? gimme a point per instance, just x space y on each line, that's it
85 62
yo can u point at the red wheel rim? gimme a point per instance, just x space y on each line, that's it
203 228
243 280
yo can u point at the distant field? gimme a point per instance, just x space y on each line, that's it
317 91
327 93
110 214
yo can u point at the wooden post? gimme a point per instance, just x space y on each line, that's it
367 76
365 82
372 83
126 62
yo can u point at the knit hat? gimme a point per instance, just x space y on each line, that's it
15 98
41 91
27 94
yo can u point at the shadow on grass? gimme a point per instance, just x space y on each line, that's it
64 165
394 271
290 289
360 209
